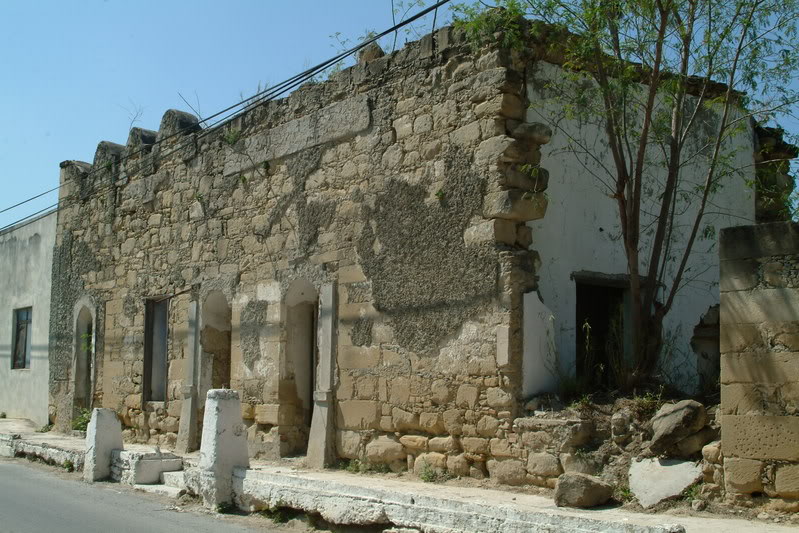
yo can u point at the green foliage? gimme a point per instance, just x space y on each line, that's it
45 428
69 466
692 492
623 494
356 466
2 414
231 136
81 422
430 474
583 404
646 405
483 26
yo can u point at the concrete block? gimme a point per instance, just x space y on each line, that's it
149 471
760 437
223 446
743 476
103 435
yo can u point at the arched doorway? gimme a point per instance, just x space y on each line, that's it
302 303
215 341
84 360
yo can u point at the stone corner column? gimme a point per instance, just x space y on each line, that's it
103 436
223 446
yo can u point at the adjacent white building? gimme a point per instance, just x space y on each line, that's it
26 259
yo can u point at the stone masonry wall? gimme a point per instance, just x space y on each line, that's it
405 181
760 360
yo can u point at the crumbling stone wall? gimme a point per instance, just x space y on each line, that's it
760 360
405 181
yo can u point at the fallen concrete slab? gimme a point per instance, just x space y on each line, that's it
655 480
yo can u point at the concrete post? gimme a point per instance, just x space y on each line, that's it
223 446
321 439
187 431
103 435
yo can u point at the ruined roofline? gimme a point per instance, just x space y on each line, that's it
177 125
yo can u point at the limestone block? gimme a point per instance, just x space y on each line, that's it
674 422
358 357
581 490
712 452
761 437
533 131
496 230
755 307
498 398
487 426
434 460
404 420
743 476
524 236
223 446
543 464
439 392
453 421
466 135
515 204
358 414
786 481
508 472
458 465
501 448
747 398
399 391
431 423
247 411
467 396
738 275
414 442
442 445
503 346
384 450
348 444
578 463
505 105
103 435
475 445
274 414
740 338
747 367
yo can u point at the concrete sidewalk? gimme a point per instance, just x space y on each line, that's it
343 497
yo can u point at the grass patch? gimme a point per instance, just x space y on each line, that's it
431 474
81 422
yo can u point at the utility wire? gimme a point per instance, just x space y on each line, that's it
245 105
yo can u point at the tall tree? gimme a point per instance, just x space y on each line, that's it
656 69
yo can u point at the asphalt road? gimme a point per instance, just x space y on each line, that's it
37 499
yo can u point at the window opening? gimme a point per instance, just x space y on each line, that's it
155 349
22 338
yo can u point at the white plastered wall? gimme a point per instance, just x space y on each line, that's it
26 260
581 232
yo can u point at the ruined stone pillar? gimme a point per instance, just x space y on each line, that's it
187 431
103 435
223 446
320 441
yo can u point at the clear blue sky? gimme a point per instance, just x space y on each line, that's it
72 71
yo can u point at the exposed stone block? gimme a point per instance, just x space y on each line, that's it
760 437
761 240
431 423
498 398
358 414
475 445
543 464
440 393
740 338
755 307
500 448
467 396
384 450
786 481
458 465
508 472
443 445
496 230
434 460
515 204
348 444
414 442
747 398
747 367
738 275
453 421
404 420
743 476
358 357
487 426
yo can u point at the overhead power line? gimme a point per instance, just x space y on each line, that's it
233 110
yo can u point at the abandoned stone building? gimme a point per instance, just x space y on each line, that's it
369 261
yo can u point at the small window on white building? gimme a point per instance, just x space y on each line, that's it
22 338
156 315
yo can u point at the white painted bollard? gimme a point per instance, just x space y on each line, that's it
223 446
103 435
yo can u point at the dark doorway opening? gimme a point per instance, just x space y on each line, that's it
600 333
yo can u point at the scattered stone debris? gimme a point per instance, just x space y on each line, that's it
581 490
